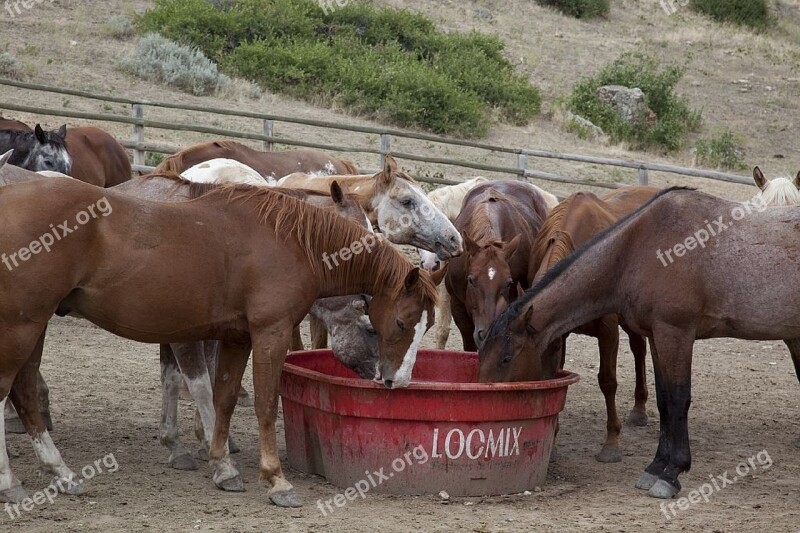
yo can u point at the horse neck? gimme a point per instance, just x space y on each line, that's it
370 272
486 223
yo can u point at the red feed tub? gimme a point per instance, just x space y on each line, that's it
443 432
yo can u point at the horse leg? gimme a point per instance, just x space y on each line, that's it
638 415
231 363
673 388
25 396
203 365
464 323
650 475
607 332
179 457
269 352
14 424
554 449
297 340
444 316
319 333
794 349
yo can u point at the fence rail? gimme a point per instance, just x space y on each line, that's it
267 136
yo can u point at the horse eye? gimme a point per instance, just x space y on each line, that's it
407 202
400 324
471 280
371 331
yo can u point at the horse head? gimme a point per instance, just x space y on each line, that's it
47 150
779 191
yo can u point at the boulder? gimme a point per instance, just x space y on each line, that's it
628 103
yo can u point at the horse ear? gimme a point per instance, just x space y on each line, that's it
62 131
520 325
336 193
797 180
759 178
510 248
412 278
389 165
470 246
520 289
438 276
359 304
40 134
5 157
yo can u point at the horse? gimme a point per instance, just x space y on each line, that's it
353 339
266 246
269 164
573 222
448 200
780 191
38 149
97 157
499 222
225 171
674 277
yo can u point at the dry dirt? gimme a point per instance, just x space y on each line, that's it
105 390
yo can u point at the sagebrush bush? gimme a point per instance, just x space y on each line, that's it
390 64
9 66
159 59
753 13
722 151
580 8
673 118
119 27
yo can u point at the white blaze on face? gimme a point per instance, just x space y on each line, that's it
492 272
403 375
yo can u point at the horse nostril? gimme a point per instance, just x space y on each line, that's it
437 245
481 335
388 383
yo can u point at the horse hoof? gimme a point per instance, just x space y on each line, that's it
233 484
202 454
14 425
286 499
183 462
609 454
663 490
68 487
637 418
232 446
646 481
15 494
244 399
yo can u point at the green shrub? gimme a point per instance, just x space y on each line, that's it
385 63
721 151
119 27
580 8
9 67
162 60
753 13
673 118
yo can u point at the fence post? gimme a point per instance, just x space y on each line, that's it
269 128
138 135
643 178
522 164
386 147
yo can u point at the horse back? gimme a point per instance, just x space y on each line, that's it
97 157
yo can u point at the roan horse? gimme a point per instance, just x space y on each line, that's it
674 277
38 149
269 164
268 248
573 222
499 222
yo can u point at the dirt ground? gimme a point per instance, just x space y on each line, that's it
106 400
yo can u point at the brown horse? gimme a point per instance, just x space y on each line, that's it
680 268
250 266
269 164
499 222
573 222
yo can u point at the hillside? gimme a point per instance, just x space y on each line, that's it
741 81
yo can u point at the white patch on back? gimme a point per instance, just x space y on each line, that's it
403 375
492 272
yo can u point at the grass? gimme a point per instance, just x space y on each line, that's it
582 9
722 151
752 13
119 27
9 67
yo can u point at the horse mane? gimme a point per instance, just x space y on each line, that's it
315 230
551 234
780 191
479 227
504 320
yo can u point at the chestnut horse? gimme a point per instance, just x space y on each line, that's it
499 222
269 164
674 277
97 157
573 222
266 246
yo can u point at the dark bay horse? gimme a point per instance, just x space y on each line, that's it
269 164
97 157
685 266
573 222
38 149
499 223
266 246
